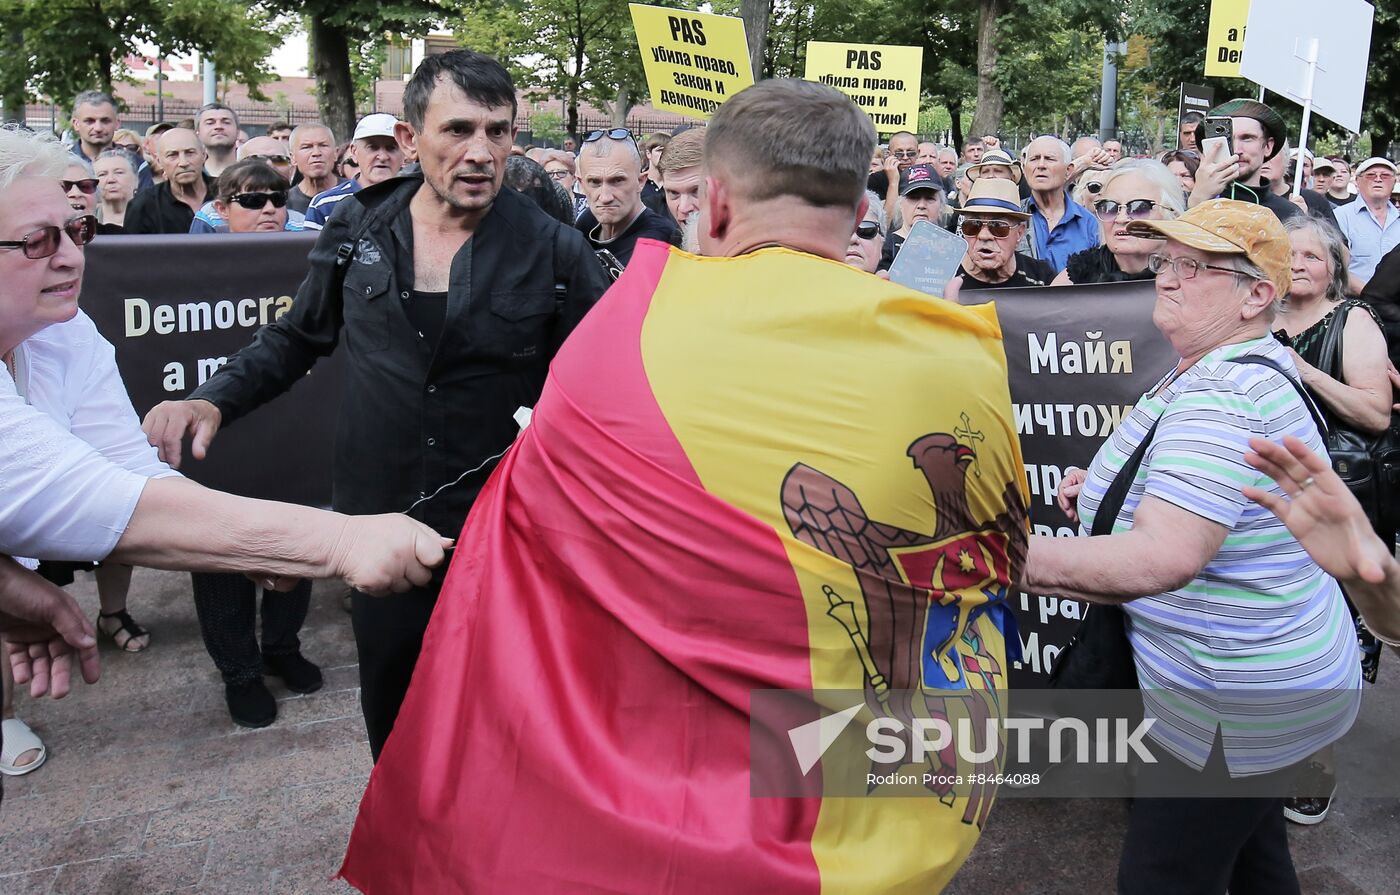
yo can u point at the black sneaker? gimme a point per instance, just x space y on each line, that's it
250 704
1312 808
299 674
1307 810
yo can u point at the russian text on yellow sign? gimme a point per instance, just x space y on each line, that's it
694 61
1225 38
883 80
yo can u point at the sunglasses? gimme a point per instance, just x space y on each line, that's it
87 185
348 162
257 201
999 228
1094 187
270 159
867 229
43 242
1138 209
617 133
129 147
905 153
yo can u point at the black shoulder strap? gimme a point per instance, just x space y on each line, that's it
1117 491
1308 401
1329 359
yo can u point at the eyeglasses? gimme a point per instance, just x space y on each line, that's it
87 185
999 228
257 201
1138 209
559 174
43 243
617 133
1376 173
867 229
1185 268
270 159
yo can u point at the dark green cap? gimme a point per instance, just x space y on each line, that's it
1269 120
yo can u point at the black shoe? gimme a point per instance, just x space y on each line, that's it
299 674
250 704
1312 808
1306 810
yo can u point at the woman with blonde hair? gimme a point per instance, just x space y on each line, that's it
1132 190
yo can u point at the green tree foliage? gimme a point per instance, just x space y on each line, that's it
576 50
337 26
60 49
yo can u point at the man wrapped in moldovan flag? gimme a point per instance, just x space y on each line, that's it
759 470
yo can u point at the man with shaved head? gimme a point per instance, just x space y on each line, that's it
170 206
610 171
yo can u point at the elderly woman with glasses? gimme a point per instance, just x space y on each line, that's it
1133 190
81 481
1241 645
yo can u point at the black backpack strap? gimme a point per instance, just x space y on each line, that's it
1308 401
1117 491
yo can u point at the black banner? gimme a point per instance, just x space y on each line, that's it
1194 98
1079 357
176 308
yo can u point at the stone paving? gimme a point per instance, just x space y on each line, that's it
149 787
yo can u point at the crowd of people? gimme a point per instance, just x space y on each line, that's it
1250 278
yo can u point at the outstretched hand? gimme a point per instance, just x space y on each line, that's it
1320 512
44 629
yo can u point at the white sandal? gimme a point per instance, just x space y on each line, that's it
19 739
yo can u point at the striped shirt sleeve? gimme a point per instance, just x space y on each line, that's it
1196 460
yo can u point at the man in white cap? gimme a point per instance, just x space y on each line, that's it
376 151
1370 224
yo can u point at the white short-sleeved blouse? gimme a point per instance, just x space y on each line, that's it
73 458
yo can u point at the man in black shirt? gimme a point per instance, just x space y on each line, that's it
993 222
610 172
1259 135
170 206
448 297
1336 188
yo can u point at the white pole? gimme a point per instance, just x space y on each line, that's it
211 82
1307 114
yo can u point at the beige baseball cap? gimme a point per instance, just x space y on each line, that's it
1228 227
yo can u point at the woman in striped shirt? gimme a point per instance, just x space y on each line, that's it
1243 646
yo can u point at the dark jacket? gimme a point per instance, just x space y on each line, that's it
648 225
1261 195
156 210
413 419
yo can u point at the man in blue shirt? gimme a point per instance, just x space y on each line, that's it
95 122
1059 225
1370 224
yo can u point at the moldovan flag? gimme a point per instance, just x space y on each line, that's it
755 473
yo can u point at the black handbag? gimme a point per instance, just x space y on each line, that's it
1099 656
1368 465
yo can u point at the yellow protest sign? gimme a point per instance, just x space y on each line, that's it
1225 37
883 80
694 61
